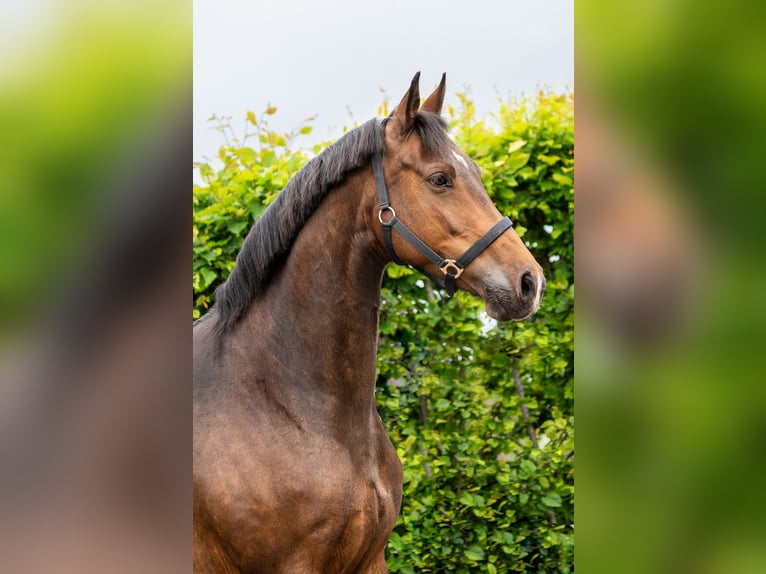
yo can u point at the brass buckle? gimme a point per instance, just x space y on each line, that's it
449 266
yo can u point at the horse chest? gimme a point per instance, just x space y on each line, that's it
322 508
349 514
350 502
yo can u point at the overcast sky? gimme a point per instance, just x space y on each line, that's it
333 57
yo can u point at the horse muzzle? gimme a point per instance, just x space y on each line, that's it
504 302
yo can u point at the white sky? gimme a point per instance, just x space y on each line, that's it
332 57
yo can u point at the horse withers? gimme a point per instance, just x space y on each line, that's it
293 471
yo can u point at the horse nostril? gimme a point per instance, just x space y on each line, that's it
528 285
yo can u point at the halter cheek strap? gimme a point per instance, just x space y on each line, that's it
452 268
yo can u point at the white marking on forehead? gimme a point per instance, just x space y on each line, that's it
461 159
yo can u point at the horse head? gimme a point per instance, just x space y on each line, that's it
436 190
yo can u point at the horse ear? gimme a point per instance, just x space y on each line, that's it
435 101
407 109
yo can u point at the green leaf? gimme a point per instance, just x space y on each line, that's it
552 499
548 159
397 271
474 553
206 172
208 276
517 145
237 227
562 179
516 162
268 158
442 404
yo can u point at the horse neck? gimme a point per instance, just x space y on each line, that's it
317 324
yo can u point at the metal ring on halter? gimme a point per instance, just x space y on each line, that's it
380 215
449 266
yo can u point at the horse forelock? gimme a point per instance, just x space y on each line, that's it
271 237
432 130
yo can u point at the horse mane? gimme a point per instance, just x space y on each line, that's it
271 237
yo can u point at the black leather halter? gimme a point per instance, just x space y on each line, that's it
452 268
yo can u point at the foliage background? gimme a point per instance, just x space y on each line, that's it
480 413
671 464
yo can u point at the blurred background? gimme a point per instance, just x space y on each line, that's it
95 412
671 318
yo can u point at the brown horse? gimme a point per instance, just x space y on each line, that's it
293 471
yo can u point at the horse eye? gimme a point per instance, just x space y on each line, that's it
439 180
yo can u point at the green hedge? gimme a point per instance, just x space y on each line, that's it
481 413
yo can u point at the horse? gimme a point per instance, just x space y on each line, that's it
293 470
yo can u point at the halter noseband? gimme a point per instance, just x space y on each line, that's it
452 268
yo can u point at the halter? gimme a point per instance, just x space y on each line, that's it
452 268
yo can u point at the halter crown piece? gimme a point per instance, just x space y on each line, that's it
452 268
